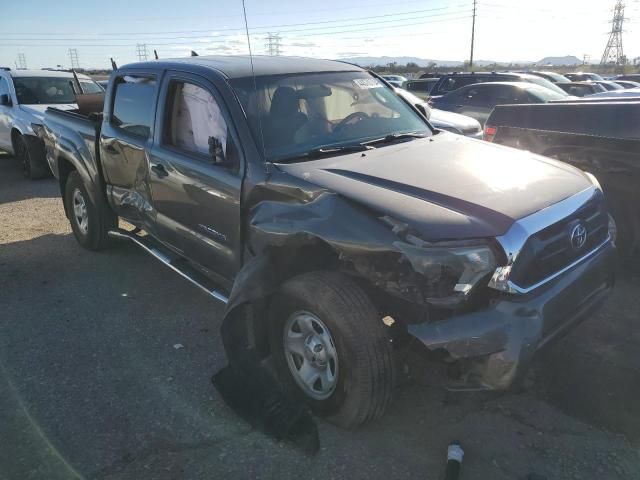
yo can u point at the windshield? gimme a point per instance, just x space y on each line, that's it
545 94
543 82
302 112
44 90
556 77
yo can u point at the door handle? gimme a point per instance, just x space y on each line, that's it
159 170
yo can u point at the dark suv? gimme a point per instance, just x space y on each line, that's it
453 81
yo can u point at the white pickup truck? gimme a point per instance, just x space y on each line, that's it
24 96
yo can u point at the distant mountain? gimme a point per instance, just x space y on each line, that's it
424 62
559 61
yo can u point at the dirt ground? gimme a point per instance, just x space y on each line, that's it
93 386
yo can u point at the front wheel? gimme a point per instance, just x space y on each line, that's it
32 168
330 348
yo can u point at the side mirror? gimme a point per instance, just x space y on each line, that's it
5 100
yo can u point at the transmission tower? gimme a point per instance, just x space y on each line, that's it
613 53
22 62
73 57
273 43
141 51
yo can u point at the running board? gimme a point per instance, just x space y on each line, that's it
178 265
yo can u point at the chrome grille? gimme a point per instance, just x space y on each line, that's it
550 249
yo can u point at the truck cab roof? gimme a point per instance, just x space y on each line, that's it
240 66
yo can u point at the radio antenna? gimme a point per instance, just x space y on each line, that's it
255 84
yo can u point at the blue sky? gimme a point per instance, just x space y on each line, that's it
505 29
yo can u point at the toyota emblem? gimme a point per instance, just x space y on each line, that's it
578 236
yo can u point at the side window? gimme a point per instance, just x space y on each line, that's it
4 87
194 123
478 95
133 104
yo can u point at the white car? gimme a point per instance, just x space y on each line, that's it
24 97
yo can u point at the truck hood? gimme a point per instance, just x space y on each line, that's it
447 186
38 110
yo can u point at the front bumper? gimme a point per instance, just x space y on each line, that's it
492 348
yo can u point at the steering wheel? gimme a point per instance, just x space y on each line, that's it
349 119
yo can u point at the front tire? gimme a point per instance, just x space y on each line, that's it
330 348
31 168
90 222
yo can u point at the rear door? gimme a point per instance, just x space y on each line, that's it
125 140
196 174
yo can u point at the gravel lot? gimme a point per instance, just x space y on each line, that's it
91 385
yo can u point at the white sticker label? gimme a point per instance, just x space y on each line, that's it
365 83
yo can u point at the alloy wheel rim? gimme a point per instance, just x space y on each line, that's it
80 213
311 354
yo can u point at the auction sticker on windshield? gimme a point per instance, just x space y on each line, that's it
367 83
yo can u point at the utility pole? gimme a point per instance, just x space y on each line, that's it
585 58
73 57
473 33
141 51
613 53
273 44
22 62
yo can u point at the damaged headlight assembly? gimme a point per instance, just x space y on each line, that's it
451 270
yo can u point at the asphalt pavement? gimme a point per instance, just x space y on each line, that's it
106 359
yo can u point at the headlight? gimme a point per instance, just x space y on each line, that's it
451 272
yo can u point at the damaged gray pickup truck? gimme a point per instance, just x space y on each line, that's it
336 224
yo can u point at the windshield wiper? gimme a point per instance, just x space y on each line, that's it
324 152
393 137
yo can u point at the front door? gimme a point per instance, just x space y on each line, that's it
196 174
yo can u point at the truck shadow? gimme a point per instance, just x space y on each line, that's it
109 357
15 187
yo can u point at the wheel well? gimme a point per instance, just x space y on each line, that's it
15 133
65 167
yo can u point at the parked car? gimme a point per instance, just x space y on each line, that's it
24 96
634 77
627 84
449 121
582 76
422 87
553 77
616 94
395 80
608 85
453 81
478 100
599 137
581 89
338 226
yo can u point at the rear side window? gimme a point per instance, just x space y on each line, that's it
418 86
4 87
133 104
454 83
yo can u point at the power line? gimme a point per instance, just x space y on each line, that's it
347 22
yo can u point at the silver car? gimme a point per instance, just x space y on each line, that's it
443 120
24 96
